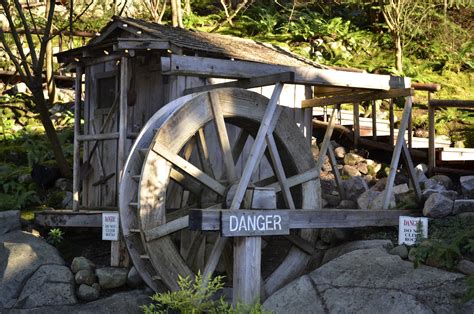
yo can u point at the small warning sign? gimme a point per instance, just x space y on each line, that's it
110 226
411 229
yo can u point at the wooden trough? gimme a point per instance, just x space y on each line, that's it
182 148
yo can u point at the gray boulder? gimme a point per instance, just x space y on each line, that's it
296 298
340 152
463 206
373 200
124 302
352 159
371 281
354 246
467 186
88 293
350 171
347 204
134 279
439 189
334 235
362 168
466 267
85 276
80 263
437 206
443 180
400 250
49 285
354 187
111 277
9 221
22 254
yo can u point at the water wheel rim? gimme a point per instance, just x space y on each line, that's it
196 112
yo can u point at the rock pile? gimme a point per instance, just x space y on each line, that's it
364 183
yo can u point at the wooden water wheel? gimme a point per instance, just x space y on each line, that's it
173 167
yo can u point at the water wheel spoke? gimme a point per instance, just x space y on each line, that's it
280 172
167 228
223 139
196 243
267 125
186 182
295 180
189 168
239 144
203 152
214 257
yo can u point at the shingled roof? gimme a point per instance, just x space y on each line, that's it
210 44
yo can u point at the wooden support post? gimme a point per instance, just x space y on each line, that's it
308 115
396 153
374 120
337 175
326 141
247 264
411 172
431 136
356 125
391 118
76 182
118 250
410 131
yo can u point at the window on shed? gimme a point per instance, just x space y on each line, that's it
106 89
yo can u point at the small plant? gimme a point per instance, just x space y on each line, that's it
196 296
55 236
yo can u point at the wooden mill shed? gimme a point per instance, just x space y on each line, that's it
150 94
133 68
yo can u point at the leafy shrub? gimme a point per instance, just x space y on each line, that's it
14 194
196 296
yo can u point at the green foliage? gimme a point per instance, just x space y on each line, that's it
196 296
14 194
470 289
55 236
450 239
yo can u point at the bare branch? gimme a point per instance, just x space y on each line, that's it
29 38
14 58
32 19
46 37
16 39
59 31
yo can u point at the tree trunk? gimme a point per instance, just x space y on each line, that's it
44 114
174 13
180 13
399 53
187 7
49 65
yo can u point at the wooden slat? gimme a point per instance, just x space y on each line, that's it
211 67
203 152
246 83
223 138
355 98
391 118
141 44
186 182
301 243
98 137
356 124
326 141
189 168
374 120
166 229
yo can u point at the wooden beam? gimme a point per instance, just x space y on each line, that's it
166 229
431 138
98 137
141 44
337 175
411 171
210 220
265 80
358 97
435 103
211 67
426 86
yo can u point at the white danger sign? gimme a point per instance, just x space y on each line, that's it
412 228
110 226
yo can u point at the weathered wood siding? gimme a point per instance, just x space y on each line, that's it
149 91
